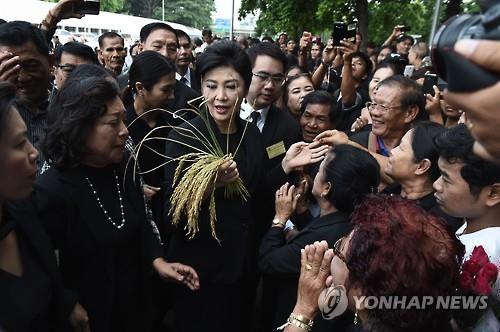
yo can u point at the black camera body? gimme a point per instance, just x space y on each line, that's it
460 73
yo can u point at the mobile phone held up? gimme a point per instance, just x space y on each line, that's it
429 81
342 30
90 7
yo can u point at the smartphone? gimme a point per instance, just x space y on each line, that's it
409 69
429 81
339 32
405 28
90 7
350 34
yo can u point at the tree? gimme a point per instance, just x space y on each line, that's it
376 18
194 13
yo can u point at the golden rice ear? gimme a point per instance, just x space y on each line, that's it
192 182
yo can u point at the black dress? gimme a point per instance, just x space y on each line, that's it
36 300
109 268
221 267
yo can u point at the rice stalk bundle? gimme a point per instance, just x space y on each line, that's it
193 182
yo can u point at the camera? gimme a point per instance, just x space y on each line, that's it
461 74
342 30
91 7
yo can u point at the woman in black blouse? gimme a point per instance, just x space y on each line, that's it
94 212
345 176
33 298
220 304
151 85
413 164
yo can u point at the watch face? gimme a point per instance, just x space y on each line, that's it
276 222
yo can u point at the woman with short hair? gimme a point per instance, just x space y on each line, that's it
94 212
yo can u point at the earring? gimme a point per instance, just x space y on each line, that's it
356 317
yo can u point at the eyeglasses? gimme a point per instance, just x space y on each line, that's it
266 77
371 106
336 250
67 69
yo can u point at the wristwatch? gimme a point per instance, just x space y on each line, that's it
277 222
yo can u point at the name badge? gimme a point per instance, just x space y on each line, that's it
275 150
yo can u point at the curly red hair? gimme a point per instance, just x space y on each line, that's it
399 249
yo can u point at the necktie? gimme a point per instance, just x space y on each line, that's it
255 117
184 80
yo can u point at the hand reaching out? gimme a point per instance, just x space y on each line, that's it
177 272
332 138
302 154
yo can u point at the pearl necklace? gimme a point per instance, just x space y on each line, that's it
102 207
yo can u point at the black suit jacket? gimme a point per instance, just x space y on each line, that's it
281 260
30 230
195 80
68 211
183 94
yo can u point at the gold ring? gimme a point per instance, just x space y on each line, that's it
470 125
308 267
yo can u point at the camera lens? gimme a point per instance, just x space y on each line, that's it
456 28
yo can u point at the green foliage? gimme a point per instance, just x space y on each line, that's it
295 16
194 13
384 15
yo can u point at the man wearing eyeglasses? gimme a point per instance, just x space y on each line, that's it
279 130
68 57
398 103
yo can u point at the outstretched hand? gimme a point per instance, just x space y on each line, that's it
177 272
302 154
332 138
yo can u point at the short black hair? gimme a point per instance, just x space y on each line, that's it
411 93
422 144
7 100
395 65
456 145
366 59
78 49
17 33
110 35
267 39
150 27
353 174
181 33
206 32
74 111
270 49
405 37
321 97
225 53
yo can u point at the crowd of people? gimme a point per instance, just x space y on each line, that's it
351 182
